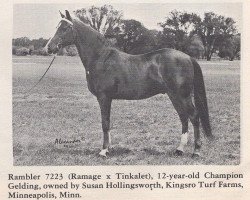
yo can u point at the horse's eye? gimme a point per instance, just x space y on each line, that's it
64 29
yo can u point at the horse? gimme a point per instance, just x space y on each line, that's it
113 74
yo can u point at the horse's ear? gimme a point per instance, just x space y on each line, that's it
68 15
62 15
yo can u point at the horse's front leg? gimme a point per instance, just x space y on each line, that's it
105 106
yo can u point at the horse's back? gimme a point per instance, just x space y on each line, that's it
170 62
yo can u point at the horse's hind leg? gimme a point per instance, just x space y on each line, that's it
105 106
184 121
194 118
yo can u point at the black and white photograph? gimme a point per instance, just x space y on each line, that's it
107 84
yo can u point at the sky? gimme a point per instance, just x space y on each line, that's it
40 20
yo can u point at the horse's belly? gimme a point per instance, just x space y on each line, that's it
138 91
134 96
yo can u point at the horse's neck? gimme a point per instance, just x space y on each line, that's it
89 43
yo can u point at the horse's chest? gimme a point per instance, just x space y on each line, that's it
100 83
91 83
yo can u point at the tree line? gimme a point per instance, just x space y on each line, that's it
200 37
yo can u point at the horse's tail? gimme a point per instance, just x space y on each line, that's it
200 100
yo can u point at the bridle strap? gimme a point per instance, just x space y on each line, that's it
66 20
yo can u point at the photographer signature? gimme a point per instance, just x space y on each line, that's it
67 142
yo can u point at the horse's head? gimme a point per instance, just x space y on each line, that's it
64 35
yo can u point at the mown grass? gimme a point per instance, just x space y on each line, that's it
144 132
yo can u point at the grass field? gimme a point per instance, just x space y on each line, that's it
144 132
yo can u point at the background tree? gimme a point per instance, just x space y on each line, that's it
22 45
104 19
134 38
22 51
230 48
213 30
178 30
165 40
39 43
21 42
196 49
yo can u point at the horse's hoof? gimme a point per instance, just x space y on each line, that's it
195 155
104 152
178 153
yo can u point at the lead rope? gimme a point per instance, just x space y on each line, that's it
42 76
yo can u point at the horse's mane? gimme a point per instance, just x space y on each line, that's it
83 27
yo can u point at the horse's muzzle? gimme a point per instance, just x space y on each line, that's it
49 50
59 46
54 50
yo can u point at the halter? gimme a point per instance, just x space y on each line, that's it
66 20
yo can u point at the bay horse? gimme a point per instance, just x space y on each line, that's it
113 74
